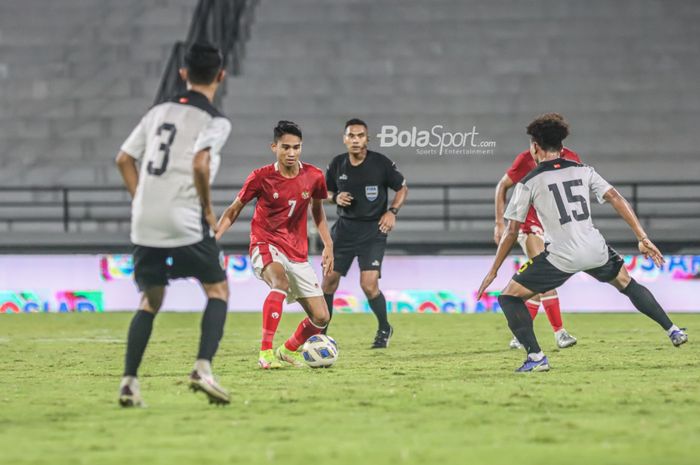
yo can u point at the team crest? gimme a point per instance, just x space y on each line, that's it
371 192
305 195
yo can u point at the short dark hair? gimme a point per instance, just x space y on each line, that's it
548 131
286 127
354 122
203 62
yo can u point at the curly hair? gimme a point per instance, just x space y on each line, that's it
548 131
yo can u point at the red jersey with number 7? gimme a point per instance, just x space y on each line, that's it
523 164
281 211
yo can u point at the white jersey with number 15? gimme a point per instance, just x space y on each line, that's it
560 192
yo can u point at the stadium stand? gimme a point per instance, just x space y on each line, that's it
71 93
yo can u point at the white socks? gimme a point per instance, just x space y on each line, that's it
203 366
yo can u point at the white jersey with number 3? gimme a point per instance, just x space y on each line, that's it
560 192
166 210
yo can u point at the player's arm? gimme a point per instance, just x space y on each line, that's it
322 226
500 202
200 166
515 213
508 240
229 217
342 199
129 171
623 208
388 219
130 153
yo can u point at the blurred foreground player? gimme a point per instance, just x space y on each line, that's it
560 191
531 240
177 144
279 242
358 181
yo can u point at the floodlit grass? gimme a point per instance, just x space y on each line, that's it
444 393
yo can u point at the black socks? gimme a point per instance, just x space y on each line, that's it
519 322
644 301
137 340
213 321
329 303
378 306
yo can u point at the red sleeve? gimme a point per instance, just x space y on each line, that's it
520 167
250 189
571 155
320 190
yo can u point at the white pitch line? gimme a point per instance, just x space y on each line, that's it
104 340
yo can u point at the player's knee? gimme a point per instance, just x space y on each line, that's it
371 289
281 283
330 283
622 282
322 319
218 291
151 301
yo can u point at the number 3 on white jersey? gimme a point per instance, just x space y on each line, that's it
292 204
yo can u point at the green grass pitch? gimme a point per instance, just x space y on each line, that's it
444 393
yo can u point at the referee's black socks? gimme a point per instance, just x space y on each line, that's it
329 303
213 322
519 322
137 340
378 306
644 301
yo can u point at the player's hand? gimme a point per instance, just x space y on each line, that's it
498 232
344 199
327 260
648 249
485 283
387 222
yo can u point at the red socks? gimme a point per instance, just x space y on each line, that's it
272 313
551 307
305 330
533 307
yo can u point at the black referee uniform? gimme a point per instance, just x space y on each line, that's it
356 233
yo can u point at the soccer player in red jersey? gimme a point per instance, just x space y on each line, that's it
279 241
531 240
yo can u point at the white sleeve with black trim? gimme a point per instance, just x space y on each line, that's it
519 204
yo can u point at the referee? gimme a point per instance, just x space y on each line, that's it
357 182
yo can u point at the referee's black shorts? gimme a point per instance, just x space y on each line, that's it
361 239
154 266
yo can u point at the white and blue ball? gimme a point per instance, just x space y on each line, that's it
320 351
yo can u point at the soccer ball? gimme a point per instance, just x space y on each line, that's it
320 351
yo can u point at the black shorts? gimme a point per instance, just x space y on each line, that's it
361 239
540 276
203 261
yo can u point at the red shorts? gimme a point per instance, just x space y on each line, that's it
531 227
527 228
